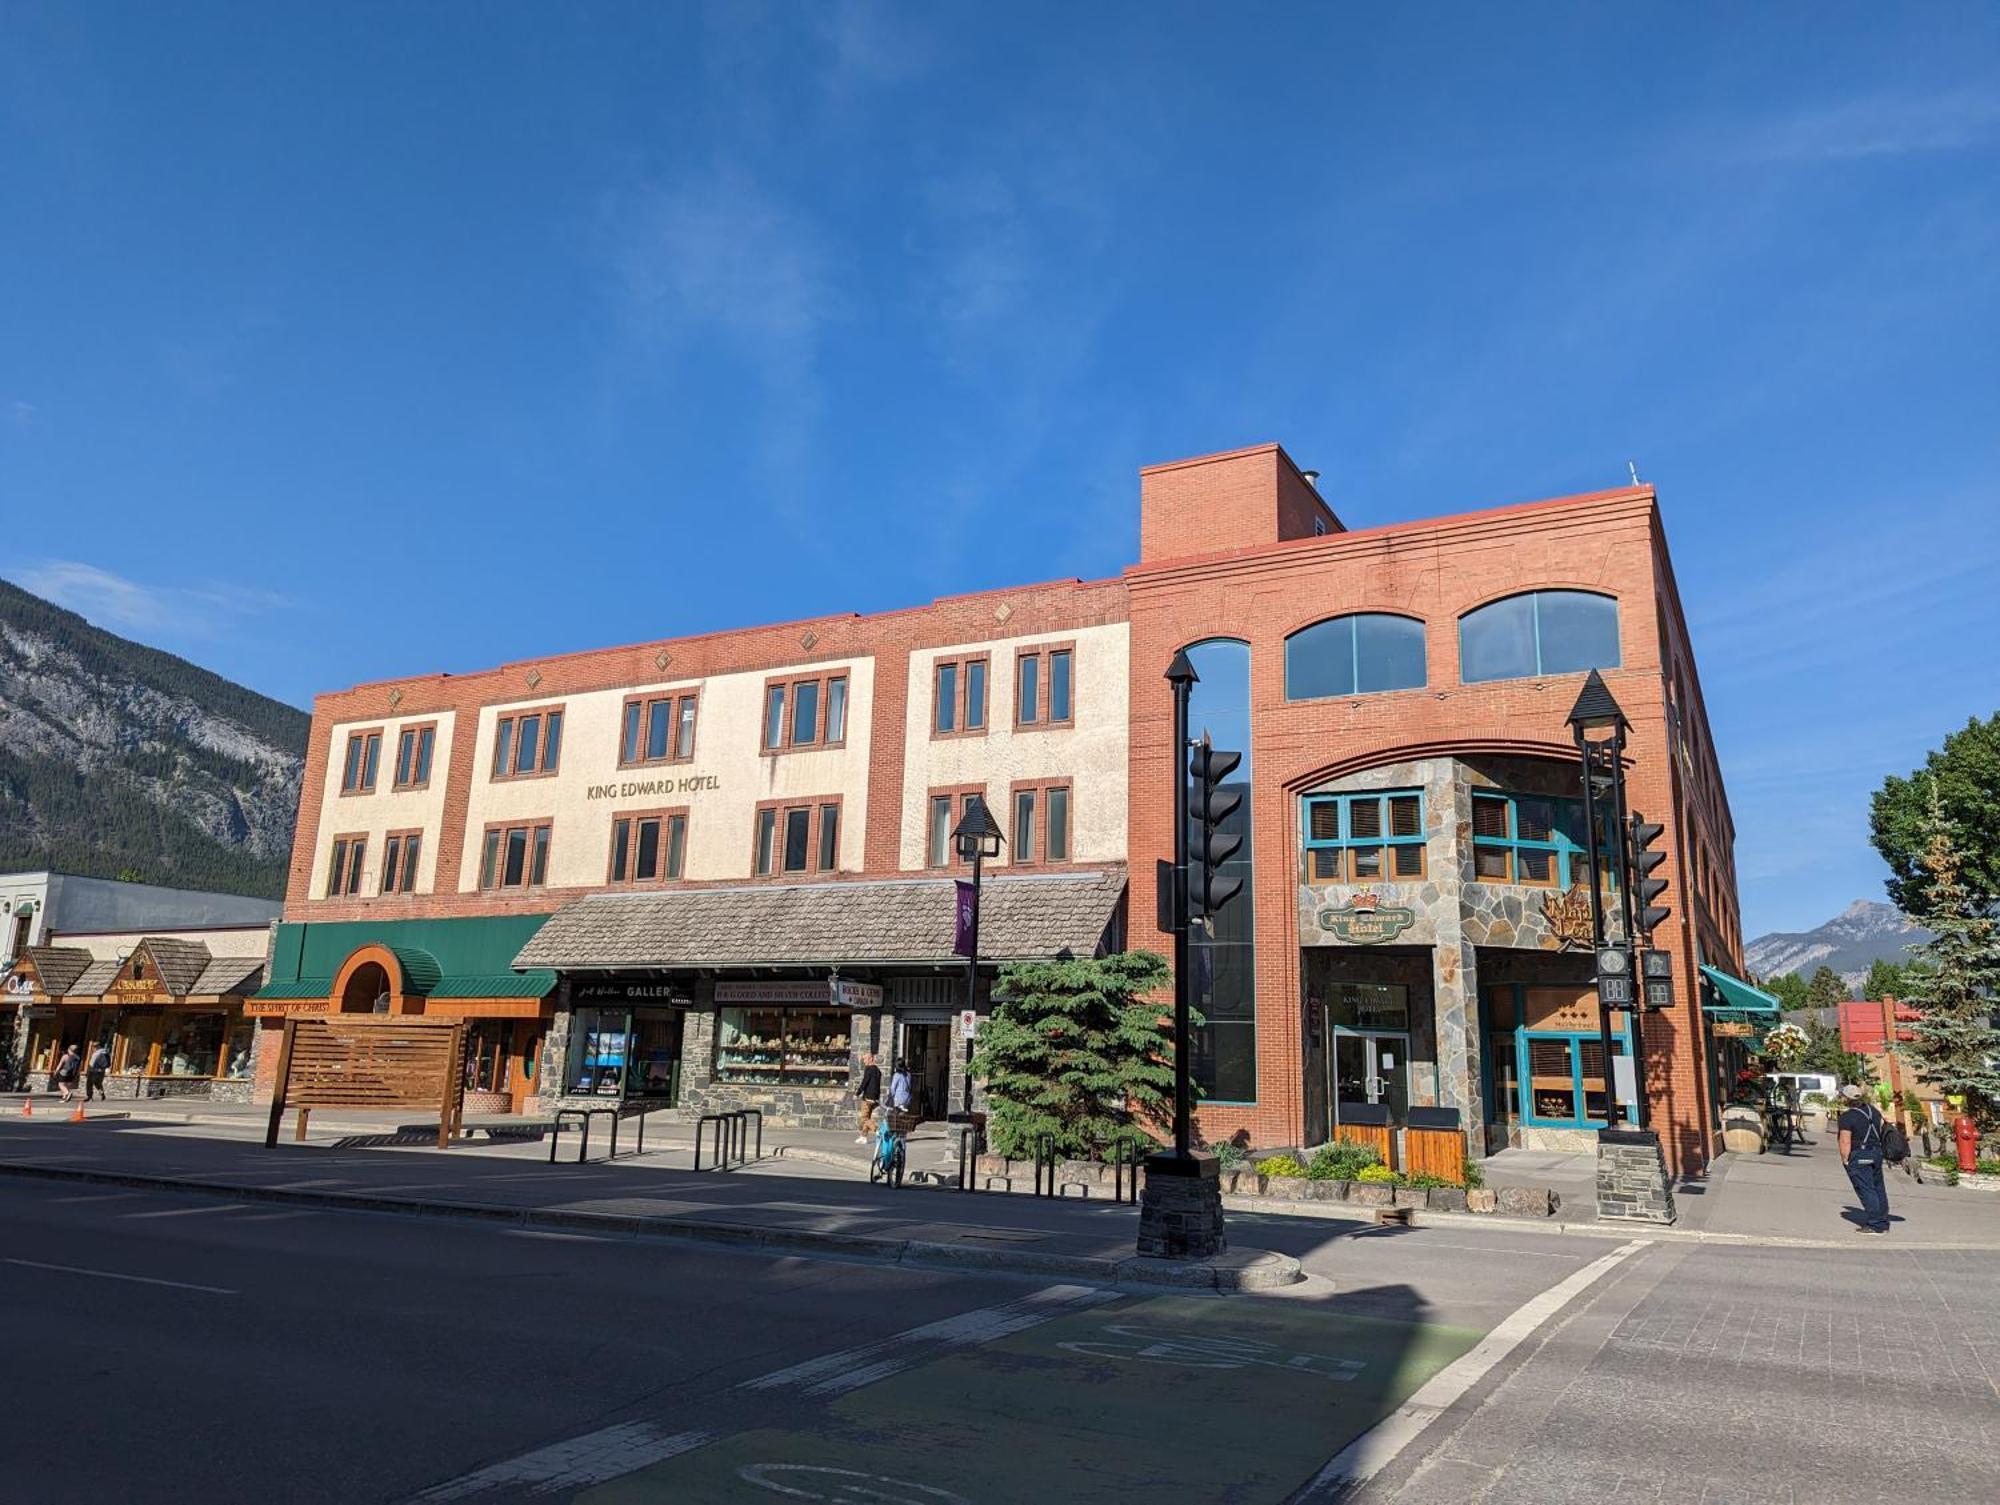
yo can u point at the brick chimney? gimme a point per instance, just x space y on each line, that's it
1242 499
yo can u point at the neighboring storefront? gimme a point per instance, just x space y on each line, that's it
449 968
772 996
169 1012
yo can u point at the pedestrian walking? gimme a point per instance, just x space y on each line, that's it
1862 1151
869 1095
93 1071
900 1093
66 1070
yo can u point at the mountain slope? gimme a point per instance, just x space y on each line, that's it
119 760
1864 932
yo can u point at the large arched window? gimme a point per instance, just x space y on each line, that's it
1224 1058
1539 632
1354 656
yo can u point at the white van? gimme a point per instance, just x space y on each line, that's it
1805 1082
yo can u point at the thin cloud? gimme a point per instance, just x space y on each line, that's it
111 600
1881 126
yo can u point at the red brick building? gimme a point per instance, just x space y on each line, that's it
743 838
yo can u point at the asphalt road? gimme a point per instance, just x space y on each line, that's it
185 1347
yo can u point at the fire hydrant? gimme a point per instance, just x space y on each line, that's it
1965 1134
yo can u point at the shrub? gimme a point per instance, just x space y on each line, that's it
1280 1166
1229 1154
1985 1167
1342 1161
1475 1174
1379 1175
1426 1179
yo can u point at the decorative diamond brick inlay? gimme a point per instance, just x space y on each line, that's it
395 698
808 640
1002 612
662 659
534 678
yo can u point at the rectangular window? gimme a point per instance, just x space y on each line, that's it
797 1047
946 718
657 729
343 874
647 846
1041 823
1056 824
805 713
1364 838
1045 686
400 853
1562 1081
527 744
1024 826
797 837
818 712
1530 839
364 755
947 808
414 745
1059 687
515 855
958 697
1027 689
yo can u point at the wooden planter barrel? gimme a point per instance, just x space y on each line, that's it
1434 1145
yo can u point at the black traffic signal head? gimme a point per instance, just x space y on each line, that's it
1209 846
1646 888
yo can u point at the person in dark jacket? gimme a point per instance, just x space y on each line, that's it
94 1069
869 1095
1862 1152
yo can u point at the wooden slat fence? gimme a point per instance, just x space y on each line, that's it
370 1061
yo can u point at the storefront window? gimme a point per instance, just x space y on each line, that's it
800 1047
242 1036
486 1057
190 1044
1375 1007
600 1041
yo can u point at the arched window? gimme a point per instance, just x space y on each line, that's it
1354 656
1538 632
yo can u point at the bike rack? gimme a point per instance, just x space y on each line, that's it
582 1118
732 1137
722 1139
758 1114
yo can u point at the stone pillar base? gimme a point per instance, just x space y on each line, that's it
1632 1181
1180 1209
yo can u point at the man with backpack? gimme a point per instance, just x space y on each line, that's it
1864 1148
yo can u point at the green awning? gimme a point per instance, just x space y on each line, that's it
460 958
1738 998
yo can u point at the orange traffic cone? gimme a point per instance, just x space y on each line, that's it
77 1117
28 1106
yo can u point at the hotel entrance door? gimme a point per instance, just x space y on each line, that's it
1372 1068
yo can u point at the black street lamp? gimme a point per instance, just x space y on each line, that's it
1599 727
976 838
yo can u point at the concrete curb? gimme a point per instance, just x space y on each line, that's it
1240 1270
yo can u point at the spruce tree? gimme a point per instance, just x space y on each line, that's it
1956 1046
1827 990
1075 1052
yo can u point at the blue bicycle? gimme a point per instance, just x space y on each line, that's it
886 1164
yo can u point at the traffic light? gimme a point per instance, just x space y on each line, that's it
1209 846
1646 889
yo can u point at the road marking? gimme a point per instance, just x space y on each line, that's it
575 1463
863 1488
1211 1351
186 1212
143 1280
1374 1449
849 1368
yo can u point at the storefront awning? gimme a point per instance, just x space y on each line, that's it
909 921
1738 1001
442 959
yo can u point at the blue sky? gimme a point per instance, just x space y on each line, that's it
343 342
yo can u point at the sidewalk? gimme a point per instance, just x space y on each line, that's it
761 1207
1804 1194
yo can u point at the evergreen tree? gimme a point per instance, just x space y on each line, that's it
1824 1052
1075 1051
1955 1046
1826 990
1887 979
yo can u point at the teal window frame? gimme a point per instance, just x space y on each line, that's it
1621 1045
1346 840
1570 866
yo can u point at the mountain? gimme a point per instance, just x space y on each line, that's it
1862 933
118 760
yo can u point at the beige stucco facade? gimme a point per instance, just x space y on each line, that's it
1090 752
387 808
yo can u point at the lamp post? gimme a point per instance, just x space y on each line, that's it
1599 726
976 838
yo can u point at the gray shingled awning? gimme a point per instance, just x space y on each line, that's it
899 921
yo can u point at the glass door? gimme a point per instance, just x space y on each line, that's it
1372 1069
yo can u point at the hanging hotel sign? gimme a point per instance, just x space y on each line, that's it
1366 921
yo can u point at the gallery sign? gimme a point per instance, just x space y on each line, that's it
1366 921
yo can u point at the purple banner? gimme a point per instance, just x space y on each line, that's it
968 919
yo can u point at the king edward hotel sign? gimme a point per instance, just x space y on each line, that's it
1366 921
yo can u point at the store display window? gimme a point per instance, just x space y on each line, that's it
799 1047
